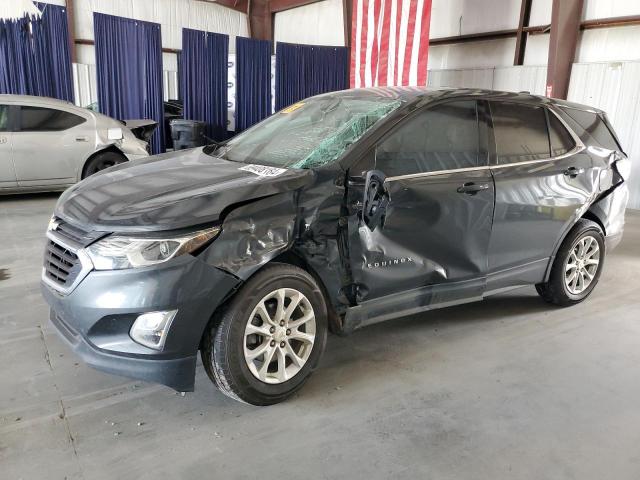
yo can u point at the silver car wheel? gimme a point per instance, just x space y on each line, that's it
279 336
582 265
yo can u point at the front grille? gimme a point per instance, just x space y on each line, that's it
61 265
65 263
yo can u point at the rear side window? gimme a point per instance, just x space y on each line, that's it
444 137
594 126
560 138
4 118
39 119
520 132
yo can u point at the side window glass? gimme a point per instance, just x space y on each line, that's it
560 138
520 132
444 137
39 119
4 118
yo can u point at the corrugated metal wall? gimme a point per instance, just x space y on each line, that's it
319 23
513 79
611 86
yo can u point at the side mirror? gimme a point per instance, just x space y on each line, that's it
375 201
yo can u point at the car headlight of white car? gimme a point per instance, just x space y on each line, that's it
117 252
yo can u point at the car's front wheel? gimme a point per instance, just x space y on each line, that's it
577 266
265 343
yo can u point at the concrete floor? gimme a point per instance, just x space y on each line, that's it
506 388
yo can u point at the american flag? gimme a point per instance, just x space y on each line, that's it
390 42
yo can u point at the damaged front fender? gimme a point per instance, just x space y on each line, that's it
300 227
254 234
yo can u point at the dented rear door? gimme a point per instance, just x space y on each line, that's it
434 233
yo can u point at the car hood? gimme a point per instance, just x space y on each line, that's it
170 191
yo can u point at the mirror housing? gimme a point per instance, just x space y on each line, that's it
375 201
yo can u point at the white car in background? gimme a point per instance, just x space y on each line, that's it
48 144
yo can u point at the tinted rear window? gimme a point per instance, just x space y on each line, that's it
594 127
39 119
559 136
520 132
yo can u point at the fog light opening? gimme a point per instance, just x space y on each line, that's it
150 329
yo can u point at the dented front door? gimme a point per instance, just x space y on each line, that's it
423 227
435 232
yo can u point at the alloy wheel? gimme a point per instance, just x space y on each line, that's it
279 336
582 264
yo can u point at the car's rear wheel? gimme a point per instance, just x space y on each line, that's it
265 343
577 266
101 161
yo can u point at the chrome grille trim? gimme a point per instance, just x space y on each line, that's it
62 256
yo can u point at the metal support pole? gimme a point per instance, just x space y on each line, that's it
565 27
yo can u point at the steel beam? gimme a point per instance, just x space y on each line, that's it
260 20
71 24
347 12
521 35
611 22
565 27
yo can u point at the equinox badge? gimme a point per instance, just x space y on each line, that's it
389 263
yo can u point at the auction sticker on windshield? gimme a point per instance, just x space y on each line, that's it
263 170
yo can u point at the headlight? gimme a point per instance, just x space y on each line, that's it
119 251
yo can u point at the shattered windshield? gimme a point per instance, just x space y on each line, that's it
307 134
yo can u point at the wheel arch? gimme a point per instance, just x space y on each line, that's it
287 257
591 215
587 215
106 148
290 257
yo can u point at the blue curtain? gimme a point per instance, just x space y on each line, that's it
34 55
203 79
253 81
306 70
129 71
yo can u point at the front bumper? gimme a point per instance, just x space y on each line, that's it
95 318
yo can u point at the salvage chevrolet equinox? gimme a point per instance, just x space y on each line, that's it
342 210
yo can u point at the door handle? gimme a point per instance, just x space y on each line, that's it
573 172
81 139
471 188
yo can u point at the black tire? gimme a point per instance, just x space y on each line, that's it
224 340
101 161
555 290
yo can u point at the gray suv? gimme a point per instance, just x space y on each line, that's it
337 212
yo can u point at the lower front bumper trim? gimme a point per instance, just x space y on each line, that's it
176 373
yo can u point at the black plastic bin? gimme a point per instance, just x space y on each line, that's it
187 133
